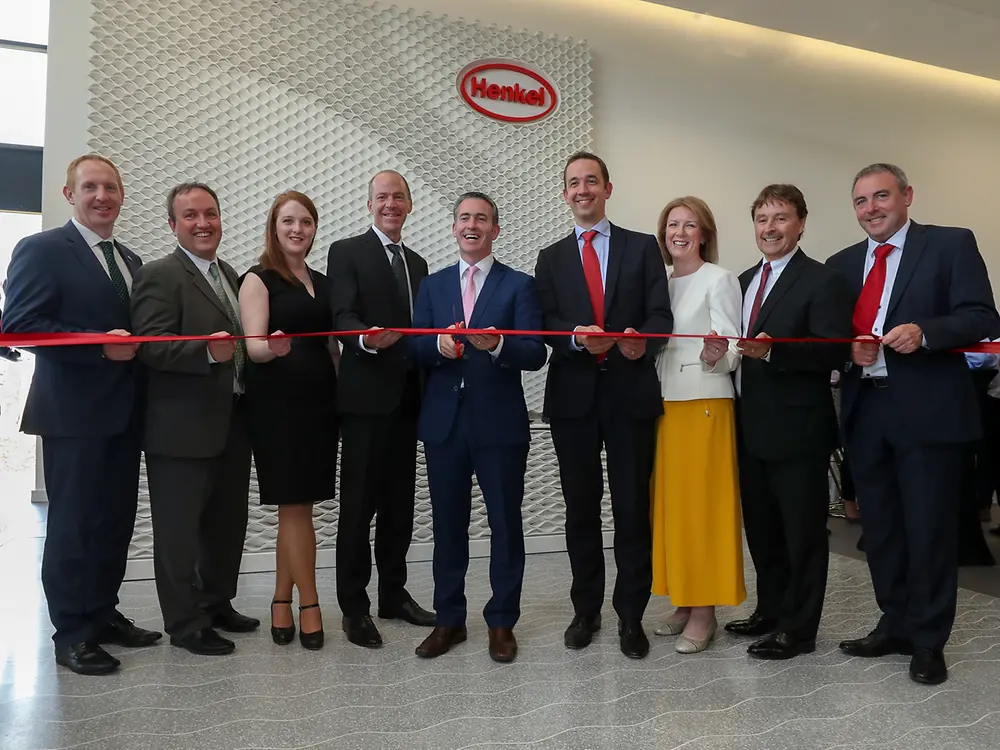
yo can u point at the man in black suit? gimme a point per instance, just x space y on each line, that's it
786 424
196 440
85 402
909 411
374 279
603 391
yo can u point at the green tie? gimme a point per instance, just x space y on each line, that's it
117 279
240 357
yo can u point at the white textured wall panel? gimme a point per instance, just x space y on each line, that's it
317 95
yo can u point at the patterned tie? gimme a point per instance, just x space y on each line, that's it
399 276
469 297
866 308
240 356
117 279
758 300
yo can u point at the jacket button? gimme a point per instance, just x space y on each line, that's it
454 387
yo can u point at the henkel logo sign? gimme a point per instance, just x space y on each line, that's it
507 91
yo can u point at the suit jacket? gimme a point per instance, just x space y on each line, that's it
711 302
56 284
943 286
190 400
636 296
363 294
786 406
492 385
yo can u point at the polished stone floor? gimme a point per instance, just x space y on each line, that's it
266 696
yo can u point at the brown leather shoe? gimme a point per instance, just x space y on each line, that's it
503 645
440 641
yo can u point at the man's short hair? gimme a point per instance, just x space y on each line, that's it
781 194
371 182
71 169
580 156
883 168
472 194
184 188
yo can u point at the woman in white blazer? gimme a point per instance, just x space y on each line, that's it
697 527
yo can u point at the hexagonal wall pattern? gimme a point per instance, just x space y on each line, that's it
317 95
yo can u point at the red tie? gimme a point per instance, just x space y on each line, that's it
592 272
758 300
866 309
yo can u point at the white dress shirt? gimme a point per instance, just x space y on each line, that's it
898 241
386 241
478 282
706 300
93 239
777 266
602 246
204 266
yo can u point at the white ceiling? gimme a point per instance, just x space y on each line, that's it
961 35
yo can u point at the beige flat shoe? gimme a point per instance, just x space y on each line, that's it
687 645
673 625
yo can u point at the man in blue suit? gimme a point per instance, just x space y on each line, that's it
909 411
85 403
474 419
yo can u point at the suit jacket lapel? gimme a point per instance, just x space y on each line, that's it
572 266
200 282
85 254
483 301
782 285
616 249
914 248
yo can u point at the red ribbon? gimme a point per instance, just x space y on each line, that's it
27 340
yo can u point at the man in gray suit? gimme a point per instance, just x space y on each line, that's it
195 438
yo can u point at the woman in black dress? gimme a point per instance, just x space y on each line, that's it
291 392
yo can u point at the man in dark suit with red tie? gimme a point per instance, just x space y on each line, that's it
603 391
374 278
786 424
909 410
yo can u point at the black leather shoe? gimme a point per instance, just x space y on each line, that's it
283 635
204 642
755 624
86 658
233 622
124 632
780 646
874 645
632 639
408 611
361 631
581 631
314 640
928 667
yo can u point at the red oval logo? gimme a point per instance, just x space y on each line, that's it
507 91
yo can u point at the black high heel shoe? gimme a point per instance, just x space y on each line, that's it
312 641
281 636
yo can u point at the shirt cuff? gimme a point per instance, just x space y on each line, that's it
211 359
361 343
496 352
572 341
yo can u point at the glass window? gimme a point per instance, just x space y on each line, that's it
25 21
13 228
22 96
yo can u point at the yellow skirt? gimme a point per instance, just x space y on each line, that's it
695 509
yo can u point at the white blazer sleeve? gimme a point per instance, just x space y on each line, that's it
725 309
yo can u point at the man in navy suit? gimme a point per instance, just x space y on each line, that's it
85 403
909 410
474 419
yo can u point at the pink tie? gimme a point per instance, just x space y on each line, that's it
469 296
